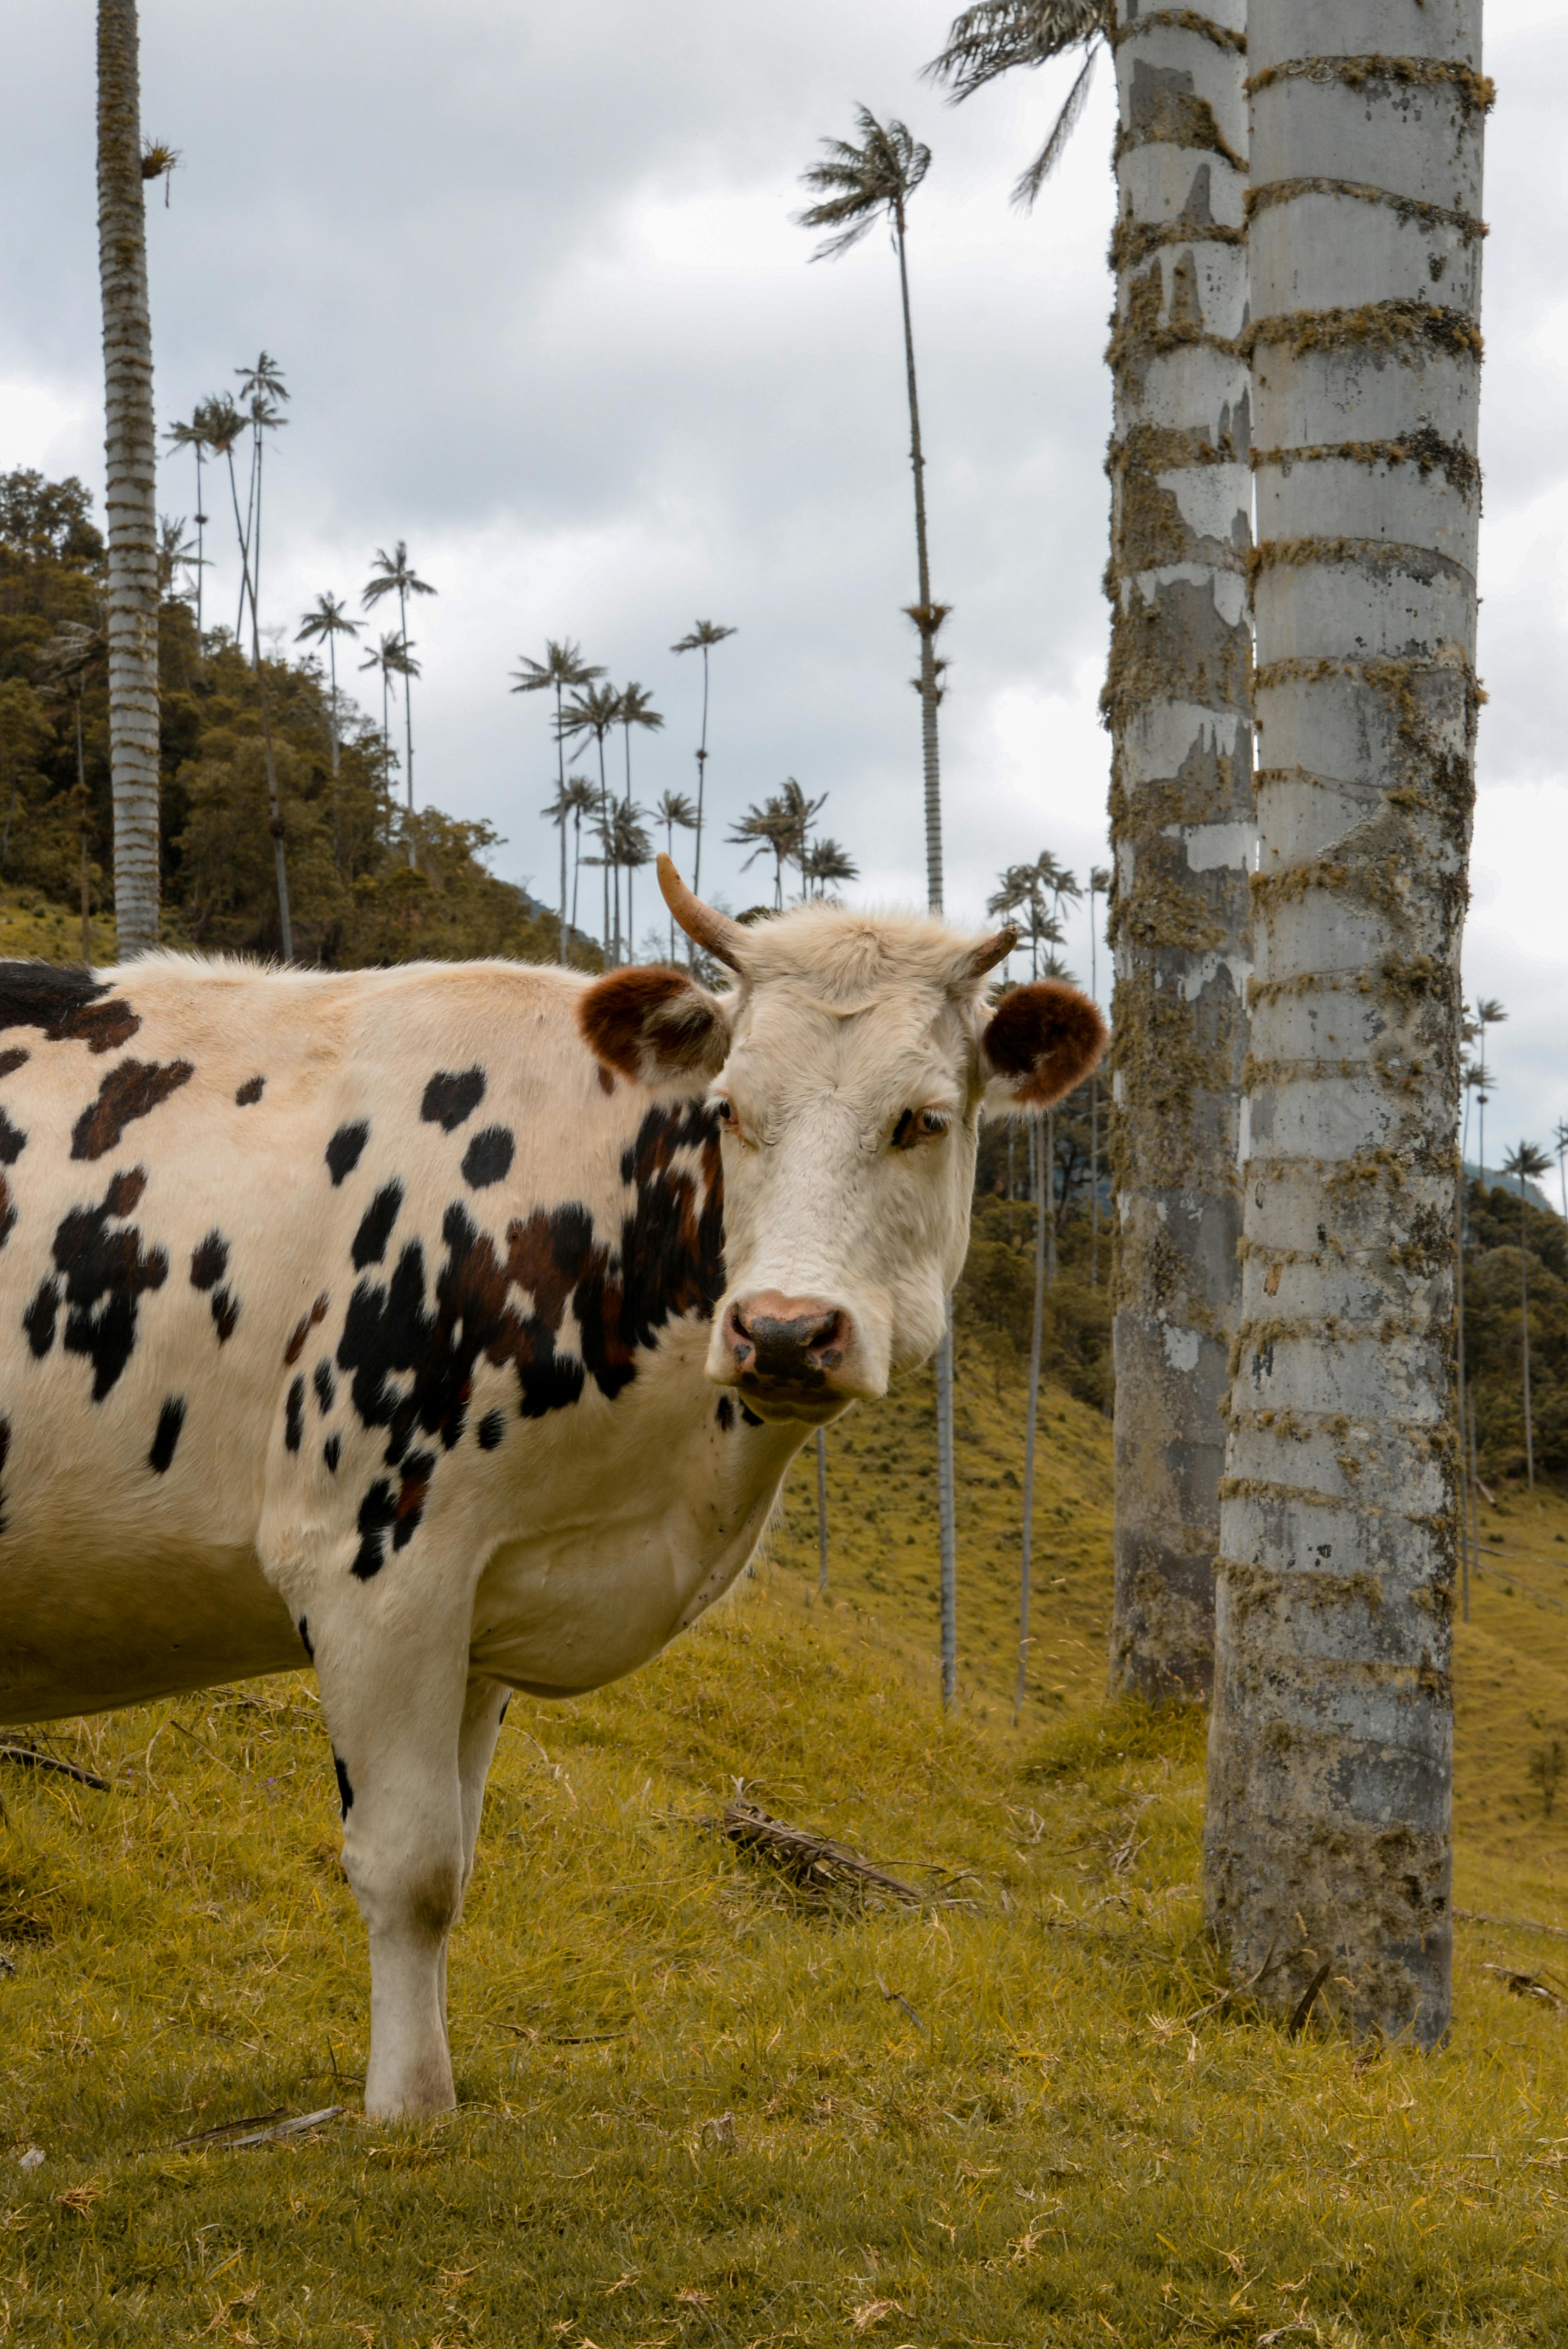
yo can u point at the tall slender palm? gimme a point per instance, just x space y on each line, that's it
1489 1013
633 849
999 35
1054 878
1560 1144
1179 678
1331 1735
675 810
176 553
634 707
393 574
562 665
262 391
324 625
222 428
132 460
193 436
777 828
393 657
594 709
1527 1163
582 801
704 636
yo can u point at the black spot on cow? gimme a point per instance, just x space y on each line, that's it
606 1081
410 1348
376 1227
306 1643
450 1096
326 1386
750 1417
332 1452
13 1141
250 1091
225 1313
170 1420
303 1327
378 1515
725 1415
294 1415
208 1261
103 1273
11 1061
342 1152
4 1455
132 1089
488 1158
70 1006
491 1430
345 1791
7 1211
412 1493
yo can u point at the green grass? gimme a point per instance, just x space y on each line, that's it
696 2111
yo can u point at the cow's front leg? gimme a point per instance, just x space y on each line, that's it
485 1703
393 1693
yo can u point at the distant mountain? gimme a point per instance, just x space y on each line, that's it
1494 1178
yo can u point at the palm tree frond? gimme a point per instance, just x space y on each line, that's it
1028 183
855 184
998 36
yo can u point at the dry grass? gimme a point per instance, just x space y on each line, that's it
699 2110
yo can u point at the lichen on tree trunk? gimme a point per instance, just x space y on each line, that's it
1178 700
130 500
1327 1839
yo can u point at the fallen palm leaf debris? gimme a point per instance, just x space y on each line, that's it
262 2128
1524 1985
811 1863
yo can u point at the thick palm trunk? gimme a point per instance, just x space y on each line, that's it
132 496
1328 1840
1177 702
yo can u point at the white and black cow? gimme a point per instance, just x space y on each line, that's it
453 1327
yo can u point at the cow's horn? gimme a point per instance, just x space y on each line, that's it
989 952
714 932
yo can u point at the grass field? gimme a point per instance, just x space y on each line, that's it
698 2110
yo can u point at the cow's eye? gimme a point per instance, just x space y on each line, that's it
723 1109
920 1125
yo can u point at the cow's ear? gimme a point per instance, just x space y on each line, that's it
1040 1042
656 1025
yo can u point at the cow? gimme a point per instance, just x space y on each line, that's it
451 1327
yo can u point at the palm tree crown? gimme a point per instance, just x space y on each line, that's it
855 185
998 36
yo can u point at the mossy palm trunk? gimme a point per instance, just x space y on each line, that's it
131 492
1178 700
1328 1842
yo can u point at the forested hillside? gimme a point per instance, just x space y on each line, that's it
357 895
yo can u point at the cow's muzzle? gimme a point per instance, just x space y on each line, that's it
790 1357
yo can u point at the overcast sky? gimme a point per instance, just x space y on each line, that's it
533 275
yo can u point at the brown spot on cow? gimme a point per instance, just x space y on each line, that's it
131 1089
303 1327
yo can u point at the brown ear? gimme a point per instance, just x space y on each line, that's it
654 1025
1041 1041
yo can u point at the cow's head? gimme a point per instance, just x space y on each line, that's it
848 1068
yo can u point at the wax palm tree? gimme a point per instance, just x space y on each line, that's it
176 553
130 453
222 428
675 810
1338 1464
856 187
393 574
704 636
193 436
999 35
562 665
632 849
1489 1013
262 392
582 799
1527 1163
393 658
1560 1144
594 709
634 707
824 863
777 828
323 625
